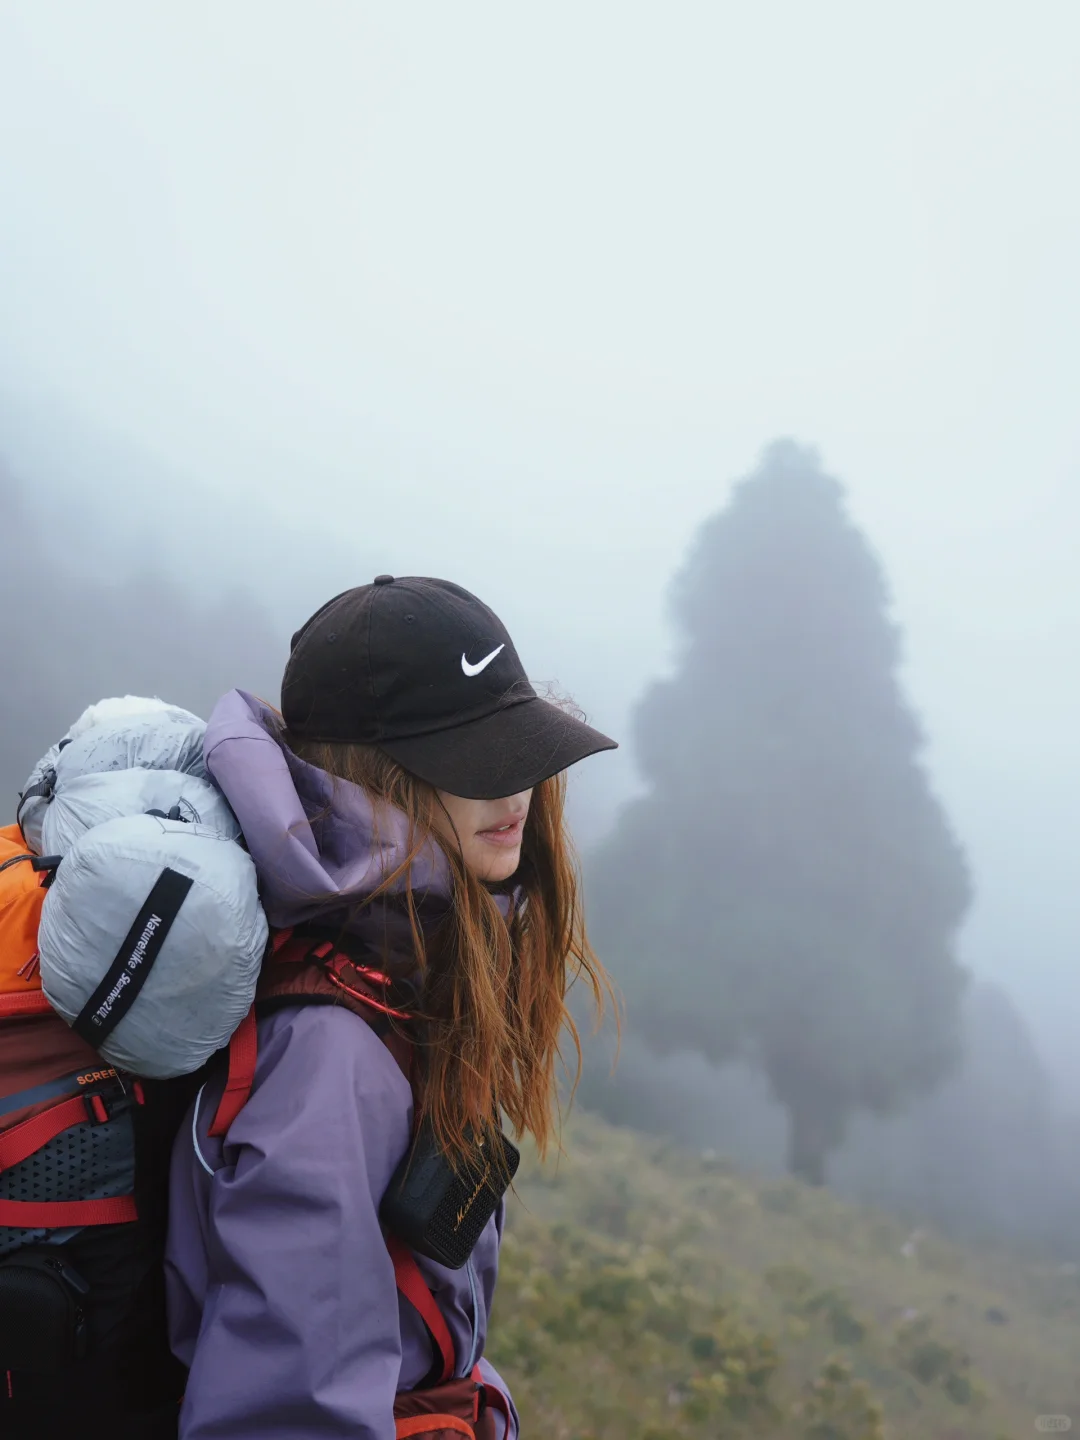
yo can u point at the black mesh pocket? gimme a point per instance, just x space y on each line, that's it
42 1317
439 1212
88 1162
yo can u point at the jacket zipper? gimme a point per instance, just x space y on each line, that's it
473 1355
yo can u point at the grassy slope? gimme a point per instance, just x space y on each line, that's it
649 1294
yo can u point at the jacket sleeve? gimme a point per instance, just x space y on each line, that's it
293 1230
506 1427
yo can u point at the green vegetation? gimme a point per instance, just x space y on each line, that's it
647 1294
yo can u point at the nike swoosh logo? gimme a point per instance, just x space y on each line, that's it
480 664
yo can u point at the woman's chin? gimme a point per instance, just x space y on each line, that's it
493 868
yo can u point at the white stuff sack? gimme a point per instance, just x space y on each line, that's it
155 980
129 732
83 801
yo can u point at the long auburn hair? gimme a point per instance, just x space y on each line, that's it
493 1007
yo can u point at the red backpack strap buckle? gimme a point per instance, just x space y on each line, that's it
243 1053
97 1110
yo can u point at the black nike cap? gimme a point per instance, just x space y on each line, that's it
425 671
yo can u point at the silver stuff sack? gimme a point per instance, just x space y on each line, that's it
83 801
150 942
129 732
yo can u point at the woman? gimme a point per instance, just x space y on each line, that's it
405 813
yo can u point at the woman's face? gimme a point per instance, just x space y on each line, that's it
488 831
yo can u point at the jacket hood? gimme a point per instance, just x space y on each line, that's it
321 845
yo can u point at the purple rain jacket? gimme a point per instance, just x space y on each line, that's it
282 1300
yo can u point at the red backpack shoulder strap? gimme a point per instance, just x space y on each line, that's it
414 1287
243 1053
335 977
288 974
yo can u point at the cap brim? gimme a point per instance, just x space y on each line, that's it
502 754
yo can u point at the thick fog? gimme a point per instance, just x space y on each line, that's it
291 294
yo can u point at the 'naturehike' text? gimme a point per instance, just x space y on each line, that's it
135 959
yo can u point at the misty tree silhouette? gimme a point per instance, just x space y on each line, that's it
788 890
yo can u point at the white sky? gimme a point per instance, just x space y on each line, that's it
511 293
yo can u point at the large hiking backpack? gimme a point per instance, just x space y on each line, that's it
127 958
84 1155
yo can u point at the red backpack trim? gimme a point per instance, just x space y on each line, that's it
243 1053
33 1002
59 1214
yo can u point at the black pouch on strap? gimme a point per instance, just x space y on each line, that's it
42 1311
439 1211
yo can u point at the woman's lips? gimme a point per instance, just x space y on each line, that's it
507 835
